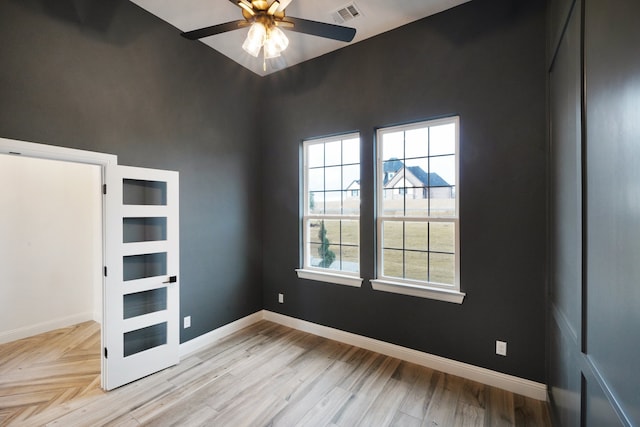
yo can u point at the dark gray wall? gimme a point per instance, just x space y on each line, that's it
107 76
594 293
484 61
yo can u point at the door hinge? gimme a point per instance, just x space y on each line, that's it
104 188
105 271
105 352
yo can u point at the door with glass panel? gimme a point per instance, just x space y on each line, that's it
141 292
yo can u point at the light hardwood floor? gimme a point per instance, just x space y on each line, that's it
270 375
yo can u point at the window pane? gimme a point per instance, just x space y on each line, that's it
392 234
440 204
351 259
350 203
314 258
324 256
390 169
351 151
350 176
416 265
316 179
331 258
333 178
333 202
315 155
351 233
443 171
441 268
313 230
416 235
393 145
416 173
333 153
331 230
442 139
442 237
392 203
392 263
417 143
417 206
316 203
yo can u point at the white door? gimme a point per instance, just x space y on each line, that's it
141 291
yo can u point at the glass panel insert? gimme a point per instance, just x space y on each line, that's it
144 229
145 302
145 338
140 266
139 192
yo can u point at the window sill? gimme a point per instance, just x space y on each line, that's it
418 291
338 279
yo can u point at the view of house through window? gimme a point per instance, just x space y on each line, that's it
417 203
331 219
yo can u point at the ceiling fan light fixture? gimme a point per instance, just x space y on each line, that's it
255 39
277 36
246 6
273 8
275 43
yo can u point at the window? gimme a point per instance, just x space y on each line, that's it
417 225
331 213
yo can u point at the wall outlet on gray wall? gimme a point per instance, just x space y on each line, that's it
501 348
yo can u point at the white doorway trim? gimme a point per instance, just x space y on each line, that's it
107 162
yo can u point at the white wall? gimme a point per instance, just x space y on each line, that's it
50 245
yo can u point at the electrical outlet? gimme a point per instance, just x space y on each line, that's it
501 348
186 322
281 298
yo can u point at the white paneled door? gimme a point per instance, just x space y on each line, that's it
142 287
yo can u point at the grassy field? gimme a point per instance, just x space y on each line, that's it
408 247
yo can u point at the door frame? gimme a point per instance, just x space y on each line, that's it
107 163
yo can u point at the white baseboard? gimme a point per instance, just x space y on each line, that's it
191 346
40 328
507 382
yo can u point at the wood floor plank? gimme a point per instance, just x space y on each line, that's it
264 375
500 409
324 411
418 398
365 391
443 403
383 409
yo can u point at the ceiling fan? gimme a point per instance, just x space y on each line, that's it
265 18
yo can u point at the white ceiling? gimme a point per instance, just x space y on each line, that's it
378 16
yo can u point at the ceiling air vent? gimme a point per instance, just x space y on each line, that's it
346 13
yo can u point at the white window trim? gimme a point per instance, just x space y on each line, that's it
323 276
307 271
437 291
422 291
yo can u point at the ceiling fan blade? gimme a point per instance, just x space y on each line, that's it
283 5
214 29
237 2
321 29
